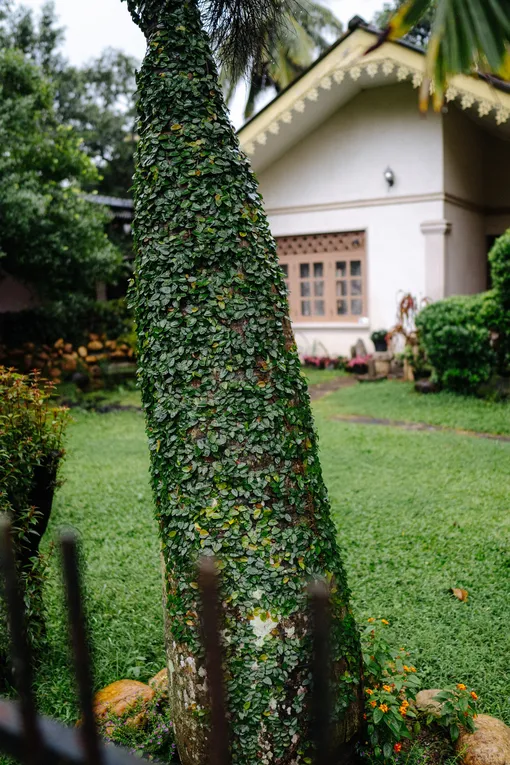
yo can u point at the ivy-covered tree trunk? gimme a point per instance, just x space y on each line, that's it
234 454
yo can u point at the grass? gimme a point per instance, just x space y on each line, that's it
395 400
417 513
315 376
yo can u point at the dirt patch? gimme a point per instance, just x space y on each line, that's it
418 426
322 389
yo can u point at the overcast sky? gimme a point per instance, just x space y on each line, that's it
92 25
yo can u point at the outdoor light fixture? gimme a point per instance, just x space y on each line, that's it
389 177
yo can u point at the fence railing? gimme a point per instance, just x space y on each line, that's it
36 740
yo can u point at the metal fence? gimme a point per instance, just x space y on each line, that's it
35 740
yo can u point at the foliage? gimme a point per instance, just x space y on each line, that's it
51 237
457 711
307 30
391 683
358 364
72 318
234 456
463 39
499 259
152 740
30 453
379 336
457 343
419 34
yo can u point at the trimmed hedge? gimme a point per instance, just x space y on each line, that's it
499 259
456 336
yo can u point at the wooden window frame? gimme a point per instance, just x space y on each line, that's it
328 249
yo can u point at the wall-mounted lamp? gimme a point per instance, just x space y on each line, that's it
389 177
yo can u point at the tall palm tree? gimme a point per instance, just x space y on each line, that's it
234 454
305 31
466 37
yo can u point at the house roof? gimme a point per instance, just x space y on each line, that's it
341 73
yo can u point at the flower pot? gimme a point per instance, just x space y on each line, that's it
381 346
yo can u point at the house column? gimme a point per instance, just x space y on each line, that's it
436 253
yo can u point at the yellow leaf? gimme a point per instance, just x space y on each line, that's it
459 594
176 127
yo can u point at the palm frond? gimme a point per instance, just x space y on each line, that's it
467 36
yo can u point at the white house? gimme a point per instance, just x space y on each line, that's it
368 198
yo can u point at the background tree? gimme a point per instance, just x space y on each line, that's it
419 34
306 30
234 454
50 236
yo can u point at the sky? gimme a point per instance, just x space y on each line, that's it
97 24
93 25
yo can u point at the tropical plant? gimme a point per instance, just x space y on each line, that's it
234 454
51 236
420 33
306 30
465 38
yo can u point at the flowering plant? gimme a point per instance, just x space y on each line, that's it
358 364
458 709
391 683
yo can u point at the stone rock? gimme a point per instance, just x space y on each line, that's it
426 386
59 343
425 702
82 352
69 363
95 345
359 349
160 683
122 697
68 348
91 359
488 745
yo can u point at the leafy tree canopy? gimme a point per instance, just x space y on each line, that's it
50 236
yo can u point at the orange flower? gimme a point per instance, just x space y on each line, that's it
387 688
384 621
384 708
397 747
405 703
473 695
403 710
364 717
406 668
373 704
413 669
461 686
371 620
369 691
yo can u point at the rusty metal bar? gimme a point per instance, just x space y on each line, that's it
81 652
20 649
219 736
321 671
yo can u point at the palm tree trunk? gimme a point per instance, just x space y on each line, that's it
234 456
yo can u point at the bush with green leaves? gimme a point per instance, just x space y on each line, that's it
31 434
499 259
456 337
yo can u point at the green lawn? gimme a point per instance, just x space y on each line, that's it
315 376
417 513
395 400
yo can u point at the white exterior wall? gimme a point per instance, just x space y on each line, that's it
333 181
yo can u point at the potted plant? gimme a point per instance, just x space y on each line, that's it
379 339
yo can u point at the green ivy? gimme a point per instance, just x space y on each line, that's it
234 454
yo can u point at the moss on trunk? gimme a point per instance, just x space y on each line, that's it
234 455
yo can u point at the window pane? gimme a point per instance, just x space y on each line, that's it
341 288
285 269
304 270
305 289
306 308
319 308
356 287
318 289
356 307
341 269
318 270
341 307
355 267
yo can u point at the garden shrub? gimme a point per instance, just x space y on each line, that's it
455 334
499 259
72 319
31 450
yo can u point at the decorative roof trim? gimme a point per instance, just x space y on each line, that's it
348 59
